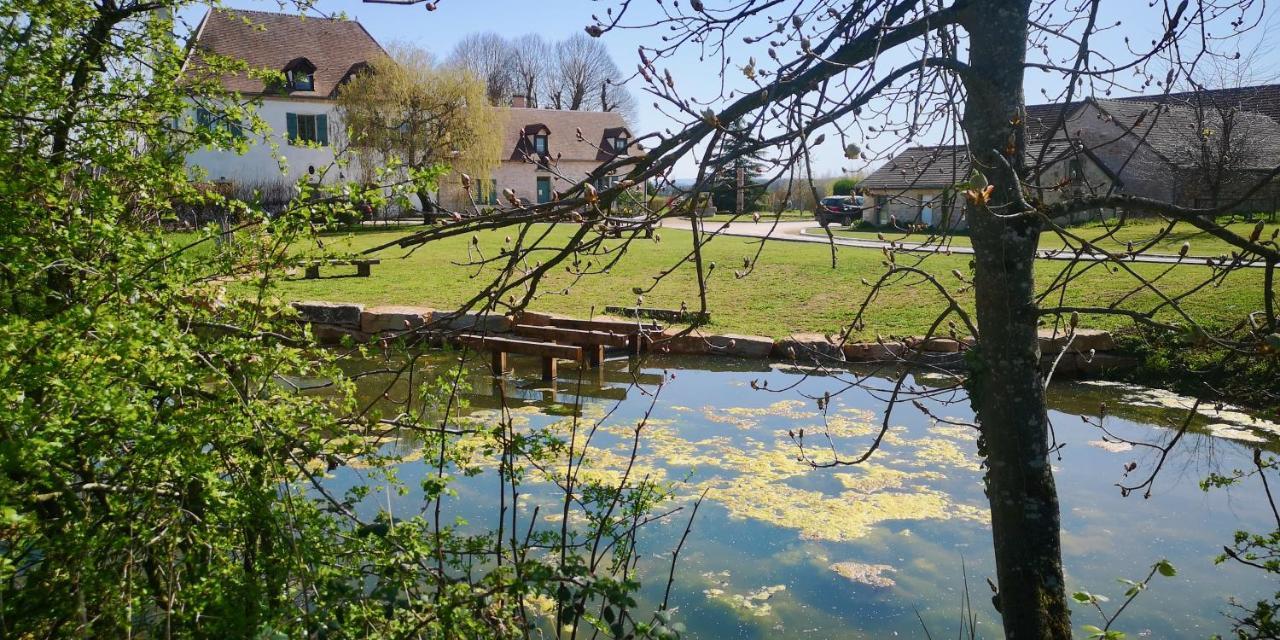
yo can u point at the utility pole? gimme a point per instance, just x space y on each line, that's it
742 197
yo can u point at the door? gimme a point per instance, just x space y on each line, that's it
544 189
926 209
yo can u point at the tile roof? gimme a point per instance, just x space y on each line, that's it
272 41
562 127
1263 99
921 168
1172 129
1171 117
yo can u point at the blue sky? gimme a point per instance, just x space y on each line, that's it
439 30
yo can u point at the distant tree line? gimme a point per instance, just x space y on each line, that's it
576 73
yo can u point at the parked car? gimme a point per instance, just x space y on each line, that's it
842 210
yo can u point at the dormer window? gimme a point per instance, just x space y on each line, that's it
300 81
300 75
540 144
620 145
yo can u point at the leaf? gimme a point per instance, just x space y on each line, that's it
1166 569
1083 597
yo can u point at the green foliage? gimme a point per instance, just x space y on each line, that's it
161 474
845 186
1133 588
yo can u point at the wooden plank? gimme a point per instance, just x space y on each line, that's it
498 363
548 368
572 336
614 326
523 347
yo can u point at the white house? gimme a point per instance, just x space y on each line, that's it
315 55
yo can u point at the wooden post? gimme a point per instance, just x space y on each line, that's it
548 368
362 269
498 362
595 355
313 271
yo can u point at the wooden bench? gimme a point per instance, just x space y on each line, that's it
362 266
665 315
593 342
500 347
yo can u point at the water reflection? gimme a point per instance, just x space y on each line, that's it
780 548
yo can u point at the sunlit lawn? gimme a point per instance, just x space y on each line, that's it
1137 231
793 287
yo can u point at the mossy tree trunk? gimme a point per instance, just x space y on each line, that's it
1006 389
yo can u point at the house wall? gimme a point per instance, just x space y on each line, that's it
260 163
1141 170
521 177
905 207
1095 182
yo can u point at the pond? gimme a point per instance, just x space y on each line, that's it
781 549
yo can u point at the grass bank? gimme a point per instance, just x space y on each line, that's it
793 287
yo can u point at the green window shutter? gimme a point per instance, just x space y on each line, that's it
291 123
322 130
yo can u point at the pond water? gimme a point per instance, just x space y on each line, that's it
780 549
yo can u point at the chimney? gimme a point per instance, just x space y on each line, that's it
519 102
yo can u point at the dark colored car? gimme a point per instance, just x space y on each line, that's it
842 210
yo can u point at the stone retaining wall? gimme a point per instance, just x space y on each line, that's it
1090 352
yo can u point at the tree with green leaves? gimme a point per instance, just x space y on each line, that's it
410 120
165 453
736 184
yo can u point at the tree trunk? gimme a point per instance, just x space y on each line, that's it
1005 388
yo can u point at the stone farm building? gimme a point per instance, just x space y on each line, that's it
315 56
1194 149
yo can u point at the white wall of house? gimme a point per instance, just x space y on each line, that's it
262 163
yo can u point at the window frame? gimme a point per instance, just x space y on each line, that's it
302 80
301 124
540 139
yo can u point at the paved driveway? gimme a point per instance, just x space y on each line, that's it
793 231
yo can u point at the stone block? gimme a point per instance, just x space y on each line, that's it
335 313
873 351
693 343
1085 339
807 347
937 345
329 334
393 319
741 346
478 322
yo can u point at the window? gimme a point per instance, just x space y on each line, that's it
302 80
206 119
540 144
620 145
1076 169
308 128
490 198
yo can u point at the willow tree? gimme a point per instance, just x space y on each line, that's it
875 75
409 120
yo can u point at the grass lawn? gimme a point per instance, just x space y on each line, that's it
1136 231
792 289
